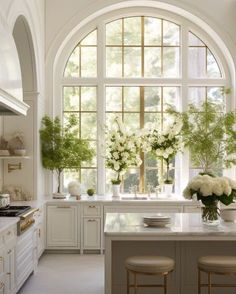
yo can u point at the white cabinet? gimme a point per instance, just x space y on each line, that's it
24 257
9 270
39 232
62 226
92 233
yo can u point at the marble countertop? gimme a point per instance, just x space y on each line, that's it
185 226
126 198
6 222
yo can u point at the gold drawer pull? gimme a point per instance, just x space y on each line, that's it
92 206
9 251
91 220
8 274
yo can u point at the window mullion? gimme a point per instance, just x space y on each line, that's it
101 54
184 161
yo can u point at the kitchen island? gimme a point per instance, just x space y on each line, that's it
184 240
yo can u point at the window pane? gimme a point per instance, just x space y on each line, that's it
71 98
197 95
88 62
152 118
88 179
131 178
113 98
131 99
70 175
170 33
152 31
197 62
170 98
132 121
132 62
152 99
89 126
152 59
113 62
93 163
151 177
90 39
194 40
114 32
132 31
170 62
110 119
213 70
215 95
66 118
73 63
150 160
88 98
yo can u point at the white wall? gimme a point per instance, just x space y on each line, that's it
31 177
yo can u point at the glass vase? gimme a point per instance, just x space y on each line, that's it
210 214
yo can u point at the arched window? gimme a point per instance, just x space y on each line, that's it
135 68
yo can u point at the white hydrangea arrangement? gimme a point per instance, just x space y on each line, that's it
209 189
122 150
164 144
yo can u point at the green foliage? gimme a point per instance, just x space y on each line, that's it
90 192
60 146
208 133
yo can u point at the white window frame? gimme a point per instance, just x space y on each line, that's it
101 80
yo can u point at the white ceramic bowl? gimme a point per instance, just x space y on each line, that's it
228 215
20 152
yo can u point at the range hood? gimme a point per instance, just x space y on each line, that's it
11 92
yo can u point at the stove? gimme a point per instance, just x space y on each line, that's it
13 210
25 213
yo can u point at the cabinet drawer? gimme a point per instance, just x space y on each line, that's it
92 210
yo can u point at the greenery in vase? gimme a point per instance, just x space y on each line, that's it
122 150
164 144
209 134
60 146
209 190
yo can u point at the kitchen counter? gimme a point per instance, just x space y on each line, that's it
184 226
184 240
6 222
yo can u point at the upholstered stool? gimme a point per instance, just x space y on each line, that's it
148 265
218 265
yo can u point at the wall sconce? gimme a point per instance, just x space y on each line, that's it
12 167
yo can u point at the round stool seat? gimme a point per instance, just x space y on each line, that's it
218 264
150 264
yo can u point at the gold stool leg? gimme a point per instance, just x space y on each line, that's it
135 284
199 281
209 283
165 284
127 281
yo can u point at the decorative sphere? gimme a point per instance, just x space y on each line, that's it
74 188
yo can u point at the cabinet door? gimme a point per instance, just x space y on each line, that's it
40 239
62 226
10 270
91 233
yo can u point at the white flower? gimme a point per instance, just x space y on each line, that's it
116 155
206 189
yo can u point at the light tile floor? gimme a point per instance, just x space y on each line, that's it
67 274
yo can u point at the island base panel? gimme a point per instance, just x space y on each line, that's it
185 253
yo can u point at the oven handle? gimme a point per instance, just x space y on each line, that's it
32 211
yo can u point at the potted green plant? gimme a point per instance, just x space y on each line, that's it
208 132
60 146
